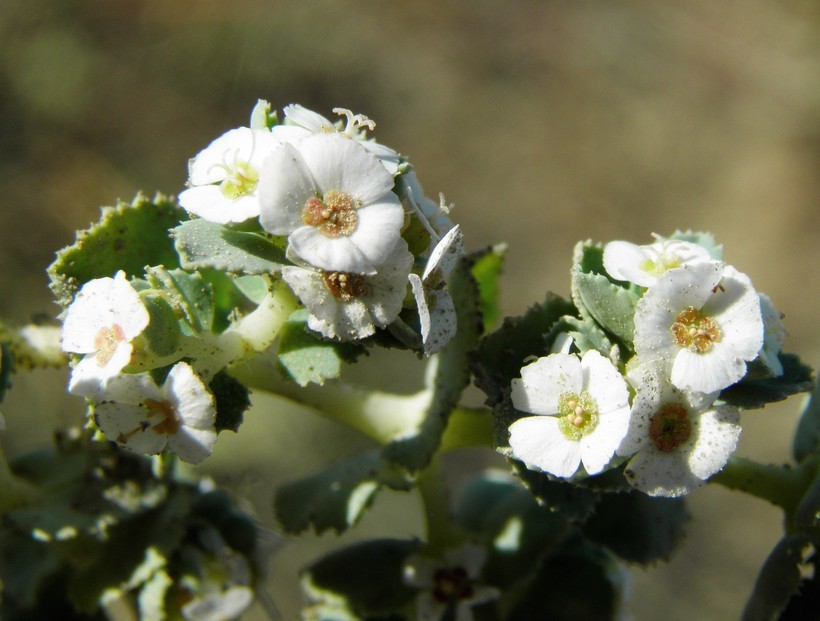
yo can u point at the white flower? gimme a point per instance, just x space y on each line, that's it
703 321
774 335
351 306
101 322
582 408
224 177
449 586
643 265
437 314
139 415
219 606
334 201
678 439
297 116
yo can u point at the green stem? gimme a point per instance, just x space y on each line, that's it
783 486
378 415
441 531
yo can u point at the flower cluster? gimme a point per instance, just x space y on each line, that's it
655 402
344 227
349 209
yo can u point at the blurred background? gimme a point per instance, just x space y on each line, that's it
545 122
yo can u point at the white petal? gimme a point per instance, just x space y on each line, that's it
313 121
208 202
337 254
604 382
707 372
88 377
285 185
378 228
101 303
445 255
339 163
537 441
544 381
193 402
718 432
622 261
192 445
598 447
660 474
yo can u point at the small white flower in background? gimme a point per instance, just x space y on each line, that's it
678 439
101 322
334 201
355 127
143 417
703 321
351 306
643 265
219 606
582 408
449 586
774 335
224 177
437 313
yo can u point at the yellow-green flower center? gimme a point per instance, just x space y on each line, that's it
670 427
695 331
660 266
578 414
334 214
240 180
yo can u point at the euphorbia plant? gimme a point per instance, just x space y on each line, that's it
301 244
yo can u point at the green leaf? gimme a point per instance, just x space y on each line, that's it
368 576
576 583
515 529
574 502
612 306
501 354
336 497
162 334
637 527
190 294
807 435
232 398
755 393
414 450
779 578
204 244
127 237
307 358
585 333
25 566
487 273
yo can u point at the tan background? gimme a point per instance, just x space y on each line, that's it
544 122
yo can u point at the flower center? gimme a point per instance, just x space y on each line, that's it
670 427
695 331
106 342
334 214
578 415
169 422
451 585
344 286
240 180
